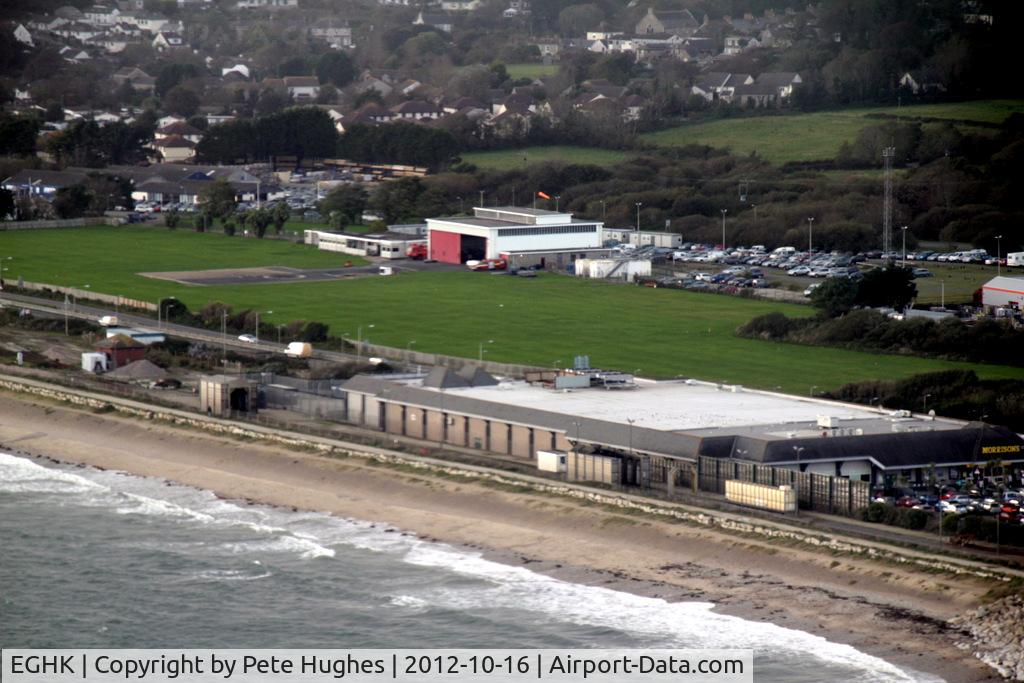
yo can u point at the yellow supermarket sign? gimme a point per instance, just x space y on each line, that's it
1001 449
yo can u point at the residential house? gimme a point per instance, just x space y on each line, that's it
441 22
174 149
22 35
783 82
138 78
549 48
368 82
337 36
68 12
416 110
74 55
920 83
735 45
149 22
166 40
76 31
179 128
460 5
165 121
464 103
99 15
238 72
112 43
680 23
267 4
302 88
516 8
632 107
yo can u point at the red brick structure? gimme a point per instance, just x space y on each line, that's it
121 350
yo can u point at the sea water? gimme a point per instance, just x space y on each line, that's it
102 559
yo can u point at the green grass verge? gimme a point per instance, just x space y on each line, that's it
815 136
527 70
655 332
507 159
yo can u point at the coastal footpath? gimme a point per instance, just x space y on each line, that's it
888 601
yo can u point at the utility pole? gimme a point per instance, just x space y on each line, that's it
887 154
810 235
999 254
724 211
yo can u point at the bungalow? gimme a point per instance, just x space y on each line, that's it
267 4
98 15
782 81
460 5
148 22
22 35
302 88
42 183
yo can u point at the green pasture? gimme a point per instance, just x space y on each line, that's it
815 136
508 159
542 321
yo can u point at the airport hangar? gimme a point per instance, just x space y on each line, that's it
656 428
524 237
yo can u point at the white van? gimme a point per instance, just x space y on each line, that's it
784 251
1015 259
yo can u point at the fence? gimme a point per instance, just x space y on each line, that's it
820 492
66 223
453 362
115 299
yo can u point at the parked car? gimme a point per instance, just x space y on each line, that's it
248 338
922 272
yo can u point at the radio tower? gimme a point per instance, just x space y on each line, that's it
887 155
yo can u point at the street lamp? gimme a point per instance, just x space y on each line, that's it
630 420
999 254
754 207
724 211
810 235
557 197
812 390
481 349
904 264
159 312
279 333
926 403
638 205
3 267
798 450
359 340
604 210
258 324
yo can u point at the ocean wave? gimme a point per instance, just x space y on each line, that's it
408 601
214 575
20 475
665 624
144 505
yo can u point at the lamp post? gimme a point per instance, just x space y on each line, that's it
904 264
224 333
604 209
925 409
638 205
724 211
482 350
576 446
258 325
279 333
798 450
630 420
999 254
754 207
811 393
557 197
810 235
359 340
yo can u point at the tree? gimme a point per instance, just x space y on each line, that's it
181 101
217 199
7 206
835 296
280 214
173 74
257 220
336 68
71 202
172 218
890 286
345 201
228 223
576 19
18 135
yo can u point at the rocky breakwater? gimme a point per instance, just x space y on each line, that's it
996 635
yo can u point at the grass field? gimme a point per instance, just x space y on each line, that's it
507 159
655 332
528 70
815 136
107 259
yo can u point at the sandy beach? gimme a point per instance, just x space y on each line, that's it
886 610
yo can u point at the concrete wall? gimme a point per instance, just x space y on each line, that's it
478 433
456 430
499 438
521 446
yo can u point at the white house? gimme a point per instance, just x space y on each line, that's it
302 87
22 35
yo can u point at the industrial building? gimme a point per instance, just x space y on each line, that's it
655 433
389 245
1003 292
644 238
510 232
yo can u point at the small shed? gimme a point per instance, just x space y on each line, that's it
224 395
94 362
120 350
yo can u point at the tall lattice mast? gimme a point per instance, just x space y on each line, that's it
887 155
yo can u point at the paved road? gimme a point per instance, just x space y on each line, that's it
92 313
